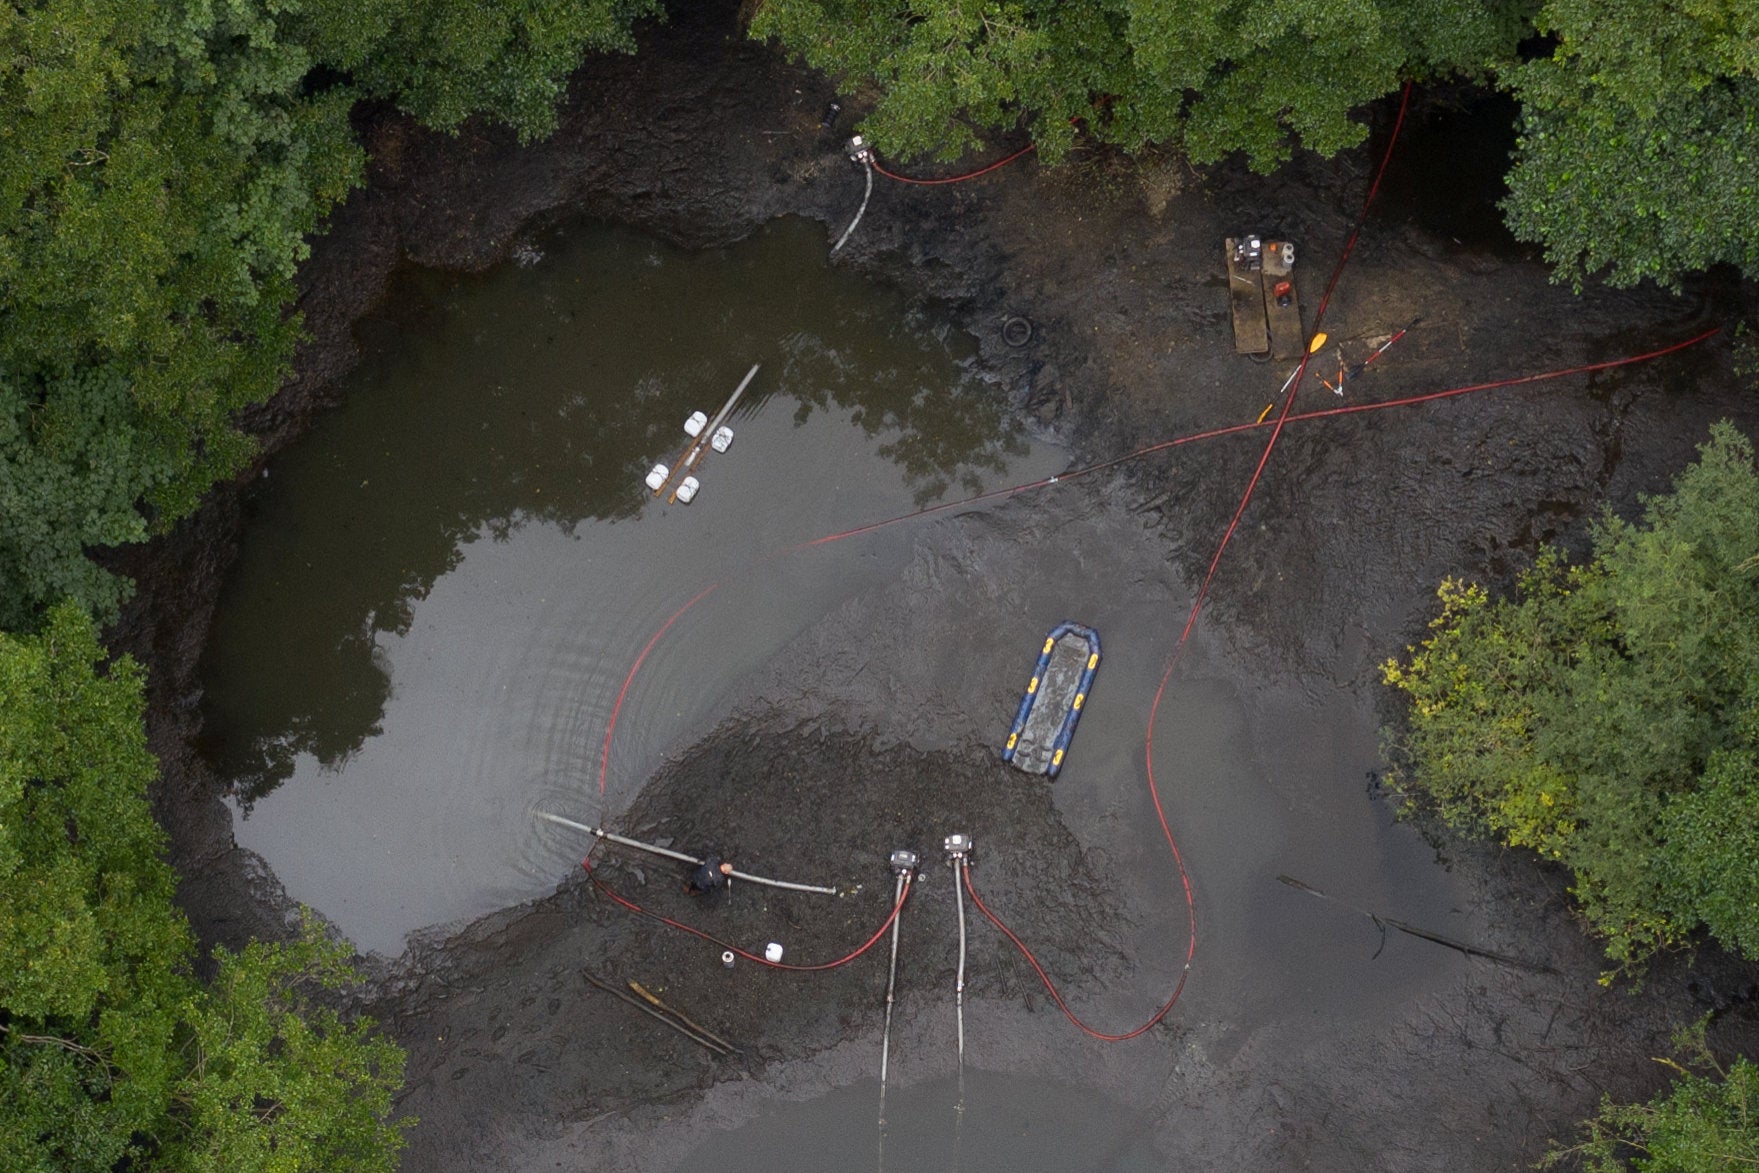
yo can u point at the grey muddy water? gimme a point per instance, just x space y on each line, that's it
441 588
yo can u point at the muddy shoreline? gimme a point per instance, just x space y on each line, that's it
699 139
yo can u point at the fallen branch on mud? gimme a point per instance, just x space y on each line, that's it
1383 923
714 1044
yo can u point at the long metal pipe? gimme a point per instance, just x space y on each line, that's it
891 985
732 401
959 866
694 453
680 856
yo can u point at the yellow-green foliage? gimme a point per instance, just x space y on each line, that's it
1608 715
1707 1121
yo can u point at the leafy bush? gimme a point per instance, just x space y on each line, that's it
1608 715
111 1054
1639 146
1261 77
1706 1122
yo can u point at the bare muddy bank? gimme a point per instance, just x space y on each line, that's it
1300 1044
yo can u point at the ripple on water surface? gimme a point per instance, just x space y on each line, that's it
442 587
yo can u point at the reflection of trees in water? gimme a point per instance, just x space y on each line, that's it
475 416
942 430
328 730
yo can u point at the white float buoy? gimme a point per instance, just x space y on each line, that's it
722 439
695 424
657 476
727 958
772 952
687 489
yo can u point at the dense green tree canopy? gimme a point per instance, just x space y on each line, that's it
1608 715
1213 77
1639 148
111 1054
162 164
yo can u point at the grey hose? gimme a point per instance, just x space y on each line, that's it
850 231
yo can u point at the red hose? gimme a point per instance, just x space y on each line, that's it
1166 1007
1025 150
761 960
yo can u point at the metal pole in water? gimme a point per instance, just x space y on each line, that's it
655 849
891 985
959 989
702 441
903 865
959 856
732 401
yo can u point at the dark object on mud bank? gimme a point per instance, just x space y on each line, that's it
1383 923
706 1040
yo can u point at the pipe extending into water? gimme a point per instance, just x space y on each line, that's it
732 402
891 986
959 866
961 862
654 849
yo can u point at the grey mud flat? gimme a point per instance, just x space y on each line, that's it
1396 1059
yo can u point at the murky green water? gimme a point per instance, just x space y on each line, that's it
442 588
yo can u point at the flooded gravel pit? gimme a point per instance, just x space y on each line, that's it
441 588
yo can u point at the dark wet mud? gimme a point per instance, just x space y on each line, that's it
1304 1039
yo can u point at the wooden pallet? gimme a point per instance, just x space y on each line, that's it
1246 298
1284 320
1261 326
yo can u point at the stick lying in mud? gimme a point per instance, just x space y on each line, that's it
679 855
1383 923
648 996
715 1046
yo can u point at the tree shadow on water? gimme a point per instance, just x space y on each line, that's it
541 394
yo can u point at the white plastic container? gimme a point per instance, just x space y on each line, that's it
772 952
727 958
695 424
687 489
656 476
722 439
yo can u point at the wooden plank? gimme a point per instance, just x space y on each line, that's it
1246 297
1283 321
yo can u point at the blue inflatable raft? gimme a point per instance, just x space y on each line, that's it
1061 680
